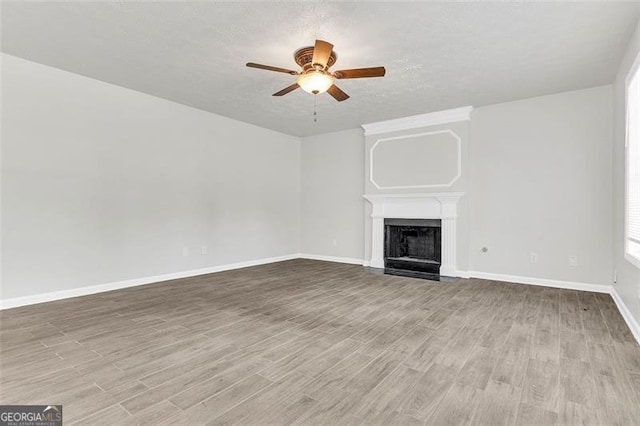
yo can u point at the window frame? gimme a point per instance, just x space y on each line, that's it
634 72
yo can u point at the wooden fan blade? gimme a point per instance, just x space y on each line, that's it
361 73
337 93
286 90
321 53
270 68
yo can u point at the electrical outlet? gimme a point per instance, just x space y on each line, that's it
335 243
533 257
573 260
204 250
185 251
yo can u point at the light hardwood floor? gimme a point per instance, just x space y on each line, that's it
307 342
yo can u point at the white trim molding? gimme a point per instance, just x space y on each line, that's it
437 205
544 282
626 314
437 185
349 260
101 288
417 121
632 323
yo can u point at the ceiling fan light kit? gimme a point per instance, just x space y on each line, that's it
315 81
315 77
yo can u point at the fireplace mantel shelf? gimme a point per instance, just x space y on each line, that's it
414 195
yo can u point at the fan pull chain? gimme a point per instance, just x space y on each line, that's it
315 113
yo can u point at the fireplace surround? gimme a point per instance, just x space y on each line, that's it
439 205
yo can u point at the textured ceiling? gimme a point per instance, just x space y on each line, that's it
437 55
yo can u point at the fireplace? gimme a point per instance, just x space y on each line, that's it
412 245
441 206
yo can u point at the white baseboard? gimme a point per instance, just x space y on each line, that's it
626 314
84 291
100 288
632 323
349 260
571 285
462 274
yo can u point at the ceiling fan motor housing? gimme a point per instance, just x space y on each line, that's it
304 58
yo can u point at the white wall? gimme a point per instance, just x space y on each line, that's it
332 206
541 183
628 282
102 184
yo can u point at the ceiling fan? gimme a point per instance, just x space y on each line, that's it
315 76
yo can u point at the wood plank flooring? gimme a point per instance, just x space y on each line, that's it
308 342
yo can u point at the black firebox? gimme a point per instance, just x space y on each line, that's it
413 245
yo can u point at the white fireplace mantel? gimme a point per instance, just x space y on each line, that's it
438 205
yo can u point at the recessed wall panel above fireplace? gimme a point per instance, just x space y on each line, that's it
424 160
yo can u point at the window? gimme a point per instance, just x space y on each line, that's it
632 175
